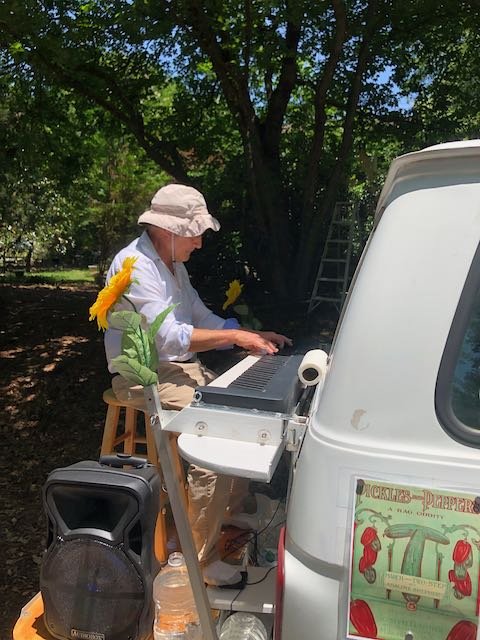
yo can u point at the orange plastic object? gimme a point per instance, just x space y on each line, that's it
30 625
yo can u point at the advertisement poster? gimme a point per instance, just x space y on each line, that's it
415 557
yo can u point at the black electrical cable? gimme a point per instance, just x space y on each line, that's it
249 584
253 537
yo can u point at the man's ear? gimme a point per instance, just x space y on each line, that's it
158 232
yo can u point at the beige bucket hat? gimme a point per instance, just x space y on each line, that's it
179 209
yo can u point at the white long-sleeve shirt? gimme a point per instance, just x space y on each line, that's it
155 288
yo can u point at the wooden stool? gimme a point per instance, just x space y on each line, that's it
129 441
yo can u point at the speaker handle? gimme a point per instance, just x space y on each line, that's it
122 459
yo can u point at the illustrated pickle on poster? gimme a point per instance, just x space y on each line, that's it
415 563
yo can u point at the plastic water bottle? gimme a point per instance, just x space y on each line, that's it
243 626
176 616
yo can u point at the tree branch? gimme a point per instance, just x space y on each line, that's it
280 96
320 99
373 18
233 81
311 231
163 153
247 50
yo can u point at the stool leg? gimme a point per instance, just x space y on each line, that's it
178 466
110 430
151 447
130 430
161 551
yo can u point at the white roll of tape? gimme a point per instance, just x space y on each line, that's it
313 366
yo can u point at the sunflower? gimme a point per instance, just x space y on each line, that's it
111 293
232 293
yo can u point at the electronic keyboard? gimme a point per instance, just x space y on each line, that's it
265 383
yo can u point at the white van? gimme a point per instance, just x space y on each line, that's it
383 531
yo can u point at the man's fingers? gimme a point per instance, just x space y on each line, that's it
268 347
283 340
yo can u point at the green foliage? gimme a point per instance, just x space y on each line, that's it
138 360
19 276
130 369
274 109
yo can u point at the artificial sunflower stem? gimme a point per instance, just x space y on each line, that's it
130 303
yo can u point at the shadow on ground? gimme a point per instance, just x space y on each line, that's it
52 378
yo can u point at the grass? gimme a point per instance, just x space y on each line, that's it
49 277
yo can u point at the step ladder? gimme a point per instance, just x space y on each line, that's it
334 271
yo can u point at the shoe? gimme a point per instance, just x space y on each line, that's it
221 574
266 508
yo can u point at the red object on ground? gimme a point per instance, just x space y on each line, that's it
463 630
280 586
361 617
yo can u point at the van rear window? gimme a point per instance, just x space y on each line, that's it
465 384
457 395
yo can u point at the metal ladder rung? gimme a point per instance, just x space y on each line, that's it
324 279
325 299
337 242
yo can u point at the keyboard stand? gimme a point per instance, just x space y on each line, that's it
231 441
179 511
236 442
232 458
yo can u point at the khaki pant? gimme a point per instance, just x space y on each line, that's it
210 495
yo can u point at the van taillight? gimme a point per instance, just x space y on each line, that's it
280 584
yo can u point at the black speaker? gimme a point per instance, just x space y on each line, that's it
97 571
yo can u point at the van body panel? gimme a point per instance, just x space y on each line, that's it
374 416
310 605
383 369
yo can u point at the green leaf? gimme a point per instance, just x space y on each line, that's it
157 323
136 341
125 320
130 352
16 47
153 356
134 372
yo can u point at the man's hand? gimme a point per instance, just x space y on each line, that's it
259 342
254 342
264 342
276 338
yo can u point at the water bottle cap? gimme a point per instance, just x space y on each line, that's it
176 559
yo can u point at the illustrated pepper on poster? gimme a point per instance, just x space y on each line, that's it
462 554
463 559
371 547
362 619
463 630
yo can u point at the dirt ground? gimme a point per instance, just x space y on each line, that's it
52 375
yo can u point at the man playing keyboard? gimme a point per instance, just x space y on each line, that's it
173 229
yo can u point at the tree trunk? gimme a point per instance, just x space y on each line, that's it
28 259
269 209
308 255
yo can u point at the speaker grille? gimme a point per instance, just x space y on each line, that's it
91 587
